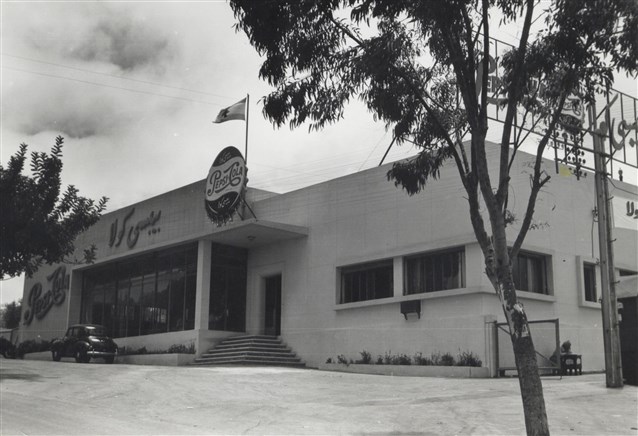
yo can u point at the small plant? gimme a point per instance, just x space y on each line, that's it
403 359
435 358
342 359
447 360
329 360
467 358
366 358
420 360
379 360
388 359
181 348
141 350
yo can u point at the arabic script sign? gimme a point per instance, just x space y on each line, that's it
224 185
616 120
625 212
38 304
132 231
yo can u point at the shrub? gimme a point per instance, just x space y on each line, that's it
175 348
32 346
394 359
366 358
420 360
388 359
403 359
181 348
447 360
467 358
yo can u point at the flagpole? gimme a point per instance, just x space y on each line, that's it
247 112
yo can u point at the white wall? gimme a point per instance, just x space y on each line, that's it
363 217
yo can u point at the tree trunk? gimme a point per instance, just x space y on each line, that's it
525 355
531 386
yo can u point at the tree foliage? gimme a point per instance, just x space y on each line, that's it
38 223
421 67
10 314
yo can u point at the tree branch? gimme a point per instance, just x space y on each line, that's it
513 95
537 182
415 89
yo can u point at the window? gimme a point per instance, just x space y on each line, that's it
589 270
530 272
153 293
436 271
369 281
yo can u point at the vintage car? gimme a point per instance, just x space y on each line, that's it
84 341
7 349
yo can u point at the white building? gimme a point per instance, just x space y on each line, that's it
327 267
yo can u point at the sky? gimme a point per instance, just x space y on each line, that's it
134 87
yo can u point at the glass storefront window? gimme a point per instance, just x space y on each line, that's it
190 290
153 293
177 277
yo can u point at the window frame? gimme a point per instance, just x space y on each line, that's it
591 281
546 272
367 267
146 267
461 275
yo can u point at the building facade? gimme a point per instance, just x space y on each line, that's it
327 268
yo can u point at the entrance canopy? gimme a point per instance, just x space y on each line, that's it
254 233
627 287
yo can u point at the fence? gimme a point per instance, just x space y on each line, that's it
545 334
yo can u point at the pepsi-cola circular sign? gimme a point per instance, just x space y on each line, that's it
224 185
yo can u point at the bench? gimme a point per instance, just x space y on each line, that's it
571 363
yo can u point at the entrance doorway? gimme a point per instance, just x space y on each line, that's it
227 304
272 325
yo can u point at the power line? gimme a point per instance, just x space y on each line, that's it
115 76
108 86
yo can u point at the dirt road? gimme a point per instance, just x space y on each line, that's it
40 397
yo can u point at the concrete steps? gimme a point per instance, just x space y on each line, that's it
250 350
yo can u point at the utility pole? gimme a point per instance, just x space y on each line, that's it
611 337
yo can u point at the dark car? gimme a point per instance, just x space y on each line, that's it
84 341
7 349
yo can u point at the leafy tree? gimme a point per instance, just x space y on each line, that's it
36 223
418 66
10 314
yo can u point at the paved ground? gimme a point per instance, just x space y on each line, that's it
38 397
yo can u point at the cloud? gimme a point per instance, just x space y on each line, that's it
71 115
63 66
125 44
109 37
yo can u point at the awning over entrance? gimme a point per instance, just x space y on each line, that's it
627 287
254 233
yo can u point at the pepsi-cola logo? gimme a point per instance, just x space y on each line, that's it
224 185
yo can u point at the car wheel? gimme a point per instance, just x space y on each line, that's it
109 359
56 355
81 356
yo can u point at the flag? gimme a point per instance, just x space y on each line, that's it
234 112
